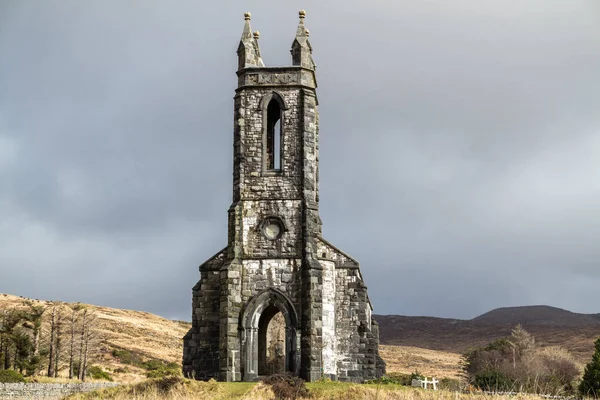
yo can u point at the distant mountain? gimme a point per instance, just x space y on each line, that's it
537 315
551 326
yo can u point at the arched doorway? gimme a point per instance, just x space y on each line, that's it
271 342
269 335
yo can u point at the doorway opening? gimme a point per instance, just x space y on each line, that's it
271 342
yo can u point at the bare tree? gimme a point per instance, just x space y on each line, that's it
81 343
51 352
89 341
73 328
58 345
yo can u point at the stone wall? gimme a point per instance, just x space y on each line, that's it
329 324
356 351
48 390
201 343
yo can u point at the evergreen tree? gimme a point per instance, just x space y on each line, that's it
590 383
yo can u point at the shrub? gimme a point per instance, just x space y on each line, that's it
160 369
493 381
559 370
10 376
164 385
127 357
415 375
590 383
286 386
154 368
452 385
516 363
96 372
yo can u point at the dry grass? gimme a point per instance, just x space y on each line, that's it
431 363
344 391
176 388
182 389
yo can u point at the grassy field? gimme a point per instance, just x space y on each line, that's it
183 389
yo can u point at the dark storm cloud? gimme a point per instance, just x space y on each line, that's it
460 147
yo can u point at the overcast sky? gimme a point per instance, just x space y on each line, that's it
460 147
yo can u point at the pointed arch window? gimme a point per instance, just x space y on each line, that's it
273 138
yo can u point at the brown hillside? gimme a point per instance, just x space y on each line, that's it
551 327
146 334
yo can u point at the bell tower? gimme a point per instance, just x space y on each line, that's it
276 262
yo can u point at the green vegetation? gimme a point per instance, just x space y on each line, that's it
70 338
154 368
590 383
128 357
161 369
96 372
10 376
19 335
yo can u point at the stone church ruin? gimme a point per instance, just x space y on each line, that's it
279 297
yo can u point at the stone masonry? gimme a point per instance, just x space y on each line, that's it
29 391
276 260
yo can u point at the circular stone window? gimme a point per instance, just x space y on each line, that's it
272 228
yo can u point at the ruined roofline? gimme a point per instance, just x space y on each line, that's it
217 254
352 259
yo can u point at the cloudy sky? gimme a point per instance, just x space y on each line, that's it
460 147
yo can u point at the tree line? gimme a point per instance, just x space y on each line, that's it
50 339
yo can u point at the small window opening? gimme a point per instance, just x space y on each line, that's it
273 152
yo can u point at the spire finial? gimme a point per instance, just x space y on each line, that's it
301 49
301 29
248 50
